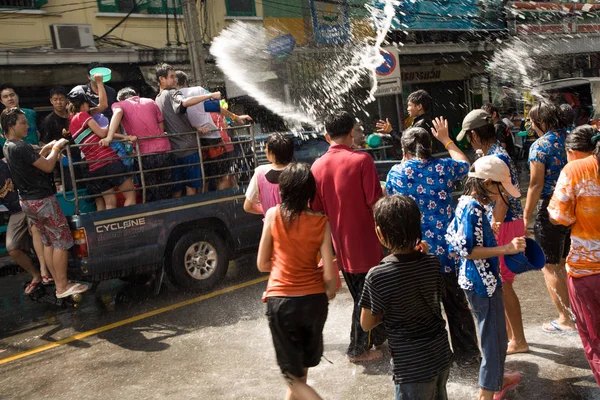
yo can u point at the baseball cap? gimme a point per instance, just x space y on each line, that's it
474 119
492 167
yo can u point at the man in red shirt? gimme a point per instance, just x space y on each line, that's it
347 189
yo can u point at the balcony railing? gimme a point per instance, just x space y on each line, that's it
18 4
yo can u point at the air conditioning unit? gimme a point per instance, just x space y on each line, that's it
71 36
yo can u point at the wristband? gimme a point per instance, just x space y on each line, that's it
59 149
448 144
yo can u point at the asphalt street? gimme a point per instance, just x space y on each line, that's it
125 343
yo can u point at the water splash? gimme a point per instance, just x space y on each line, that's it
242 53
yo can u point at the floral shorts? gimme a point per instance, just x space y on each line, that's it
47 216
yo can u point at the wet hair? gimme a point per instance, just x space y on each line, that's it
182 78
339 124
490 109
545 112
162 70
476 186
399 219
281 146
297 188
421 97
75 104
566 116
9 118
585 138
5 86
126 93
94 64
58 91
486 133
416 142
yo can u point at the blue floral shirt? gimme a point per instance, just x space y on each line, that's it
429 183
471 228
550 151
515 209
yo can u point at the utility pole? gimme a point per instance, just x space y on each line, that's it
194 41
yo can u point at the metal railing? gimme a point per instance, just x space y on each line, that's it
241 136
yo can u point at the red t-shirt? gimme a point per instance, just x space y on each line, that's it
81 133
347 189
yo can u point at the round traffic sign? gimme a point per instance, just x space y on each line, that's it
389 63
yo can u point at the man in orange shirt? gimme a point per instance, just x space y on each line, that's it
576 203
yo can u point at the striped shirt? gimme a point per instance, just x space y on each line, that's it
406 289
82 133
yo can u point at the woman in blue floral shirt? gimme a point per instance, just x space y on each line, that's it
429 182
547 157
471 237
507 222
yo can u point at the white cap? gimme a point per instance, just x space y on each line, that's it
492 167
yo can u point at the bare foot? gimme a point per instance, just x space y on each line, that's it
514 347
370 355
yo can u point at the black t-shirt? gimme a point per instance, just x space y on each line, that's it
52 127
8 194
31 182
406 290
94 100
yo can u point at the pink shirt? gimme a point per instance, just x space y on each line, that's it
141 117
347 189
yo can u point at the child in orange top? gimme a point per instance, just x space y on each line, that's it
575 203
298 290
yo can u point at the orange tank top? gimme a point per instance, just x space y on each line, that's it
294 268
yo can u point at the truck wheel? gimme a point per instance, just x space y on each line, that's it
199 260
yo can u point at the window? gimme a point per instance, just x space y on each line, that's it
32 4
141 6
240 8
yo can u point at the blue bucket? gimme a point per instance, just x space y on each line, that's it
532 259
212 105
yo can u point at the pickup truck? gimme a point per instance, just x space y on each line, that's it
192 238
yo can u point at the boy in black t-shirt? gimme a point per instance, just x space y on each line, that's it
403 293
54 123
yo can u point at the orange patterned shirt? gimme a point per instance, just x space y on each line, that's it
576 203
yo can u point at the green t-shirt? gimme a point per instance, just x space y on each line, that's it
32 132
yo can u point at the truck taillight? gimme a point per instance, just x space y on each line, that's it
80 240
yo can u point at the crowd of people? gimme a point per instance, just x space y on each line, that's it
90 117
436 253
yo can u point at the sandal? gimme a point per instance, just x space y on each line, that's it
31 287
517 378
74 289
47 279
555 328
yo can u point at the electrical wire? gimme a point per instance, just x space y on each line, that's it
134 8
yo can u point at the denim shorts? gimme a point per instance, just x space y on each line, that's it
491 322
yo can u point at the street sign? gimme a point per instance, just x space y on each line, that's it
390 69
281 45
389 88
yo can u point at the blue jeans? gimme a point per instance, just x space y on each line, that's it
489 312
433 389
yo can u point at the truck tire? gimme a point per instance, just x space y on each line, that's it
199 260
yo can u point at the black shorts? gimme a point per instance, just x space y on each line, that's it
219 165
555 240
297 328
99 186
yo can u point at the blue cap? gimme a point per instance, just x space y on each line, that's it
532 259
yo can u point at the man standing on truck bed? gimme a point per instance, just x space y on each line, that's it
29 171
173 106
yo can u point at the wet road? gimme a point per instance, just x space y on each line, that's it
218 346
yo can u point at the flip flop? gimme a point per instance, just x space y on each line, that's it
47 279
31 287
556 329
76 288
517 379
